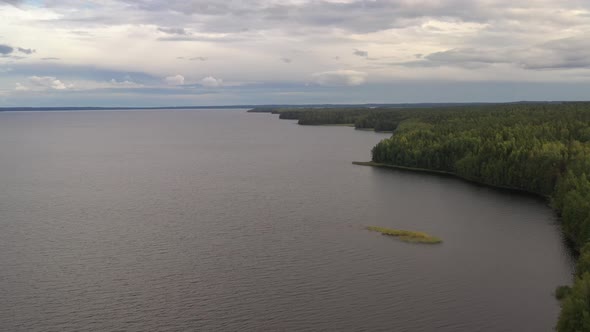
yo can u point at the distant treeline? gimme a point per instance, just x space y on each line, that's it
541 148
377 118
275 109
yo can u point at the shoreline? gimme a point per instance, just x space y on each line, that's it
454 175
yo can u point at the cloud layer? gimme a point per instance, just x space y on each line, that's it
211 51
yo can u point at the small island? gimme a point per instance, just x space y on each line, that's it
406 236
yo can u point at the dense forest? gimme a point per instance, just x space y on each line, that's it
376 118
538 148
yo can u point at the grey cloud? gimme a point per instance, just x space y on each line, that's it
466 55
566 63
26 50
80 33
197 38
217 16
184 7
173 31
567 44
286 60
11 2
360 53
566 53
357 16
50 58
5 49
458 57
196 58
468 58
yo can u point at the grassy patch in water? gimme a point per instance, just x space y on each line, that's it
407 236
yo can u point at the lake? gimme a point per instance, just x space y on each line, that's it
222 220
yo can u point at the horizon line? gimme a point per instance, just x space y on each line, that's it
4 108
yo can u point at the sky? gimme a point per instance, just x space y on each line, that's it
205 52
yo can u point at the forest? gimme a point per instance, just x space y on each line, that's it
376 118
539 148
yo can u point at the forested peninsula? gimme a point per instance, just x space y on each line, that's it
541 148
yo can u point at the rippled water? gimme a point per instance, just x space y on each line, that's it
222 220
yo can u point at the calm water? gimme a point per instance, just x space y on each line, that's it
216 220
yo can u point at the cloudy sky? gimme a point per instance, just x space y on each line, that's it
206 52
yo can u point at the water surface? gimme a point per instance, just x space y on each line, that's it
221 220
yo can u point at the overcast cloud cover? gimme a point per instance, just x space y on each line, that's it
205 52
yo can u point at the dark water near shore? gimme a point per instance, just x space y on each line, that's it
217 220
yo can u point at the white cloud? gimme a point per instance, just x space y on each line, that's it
173 31
124 84
48 82
174 80
20 87
340 78
211 82
360 53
